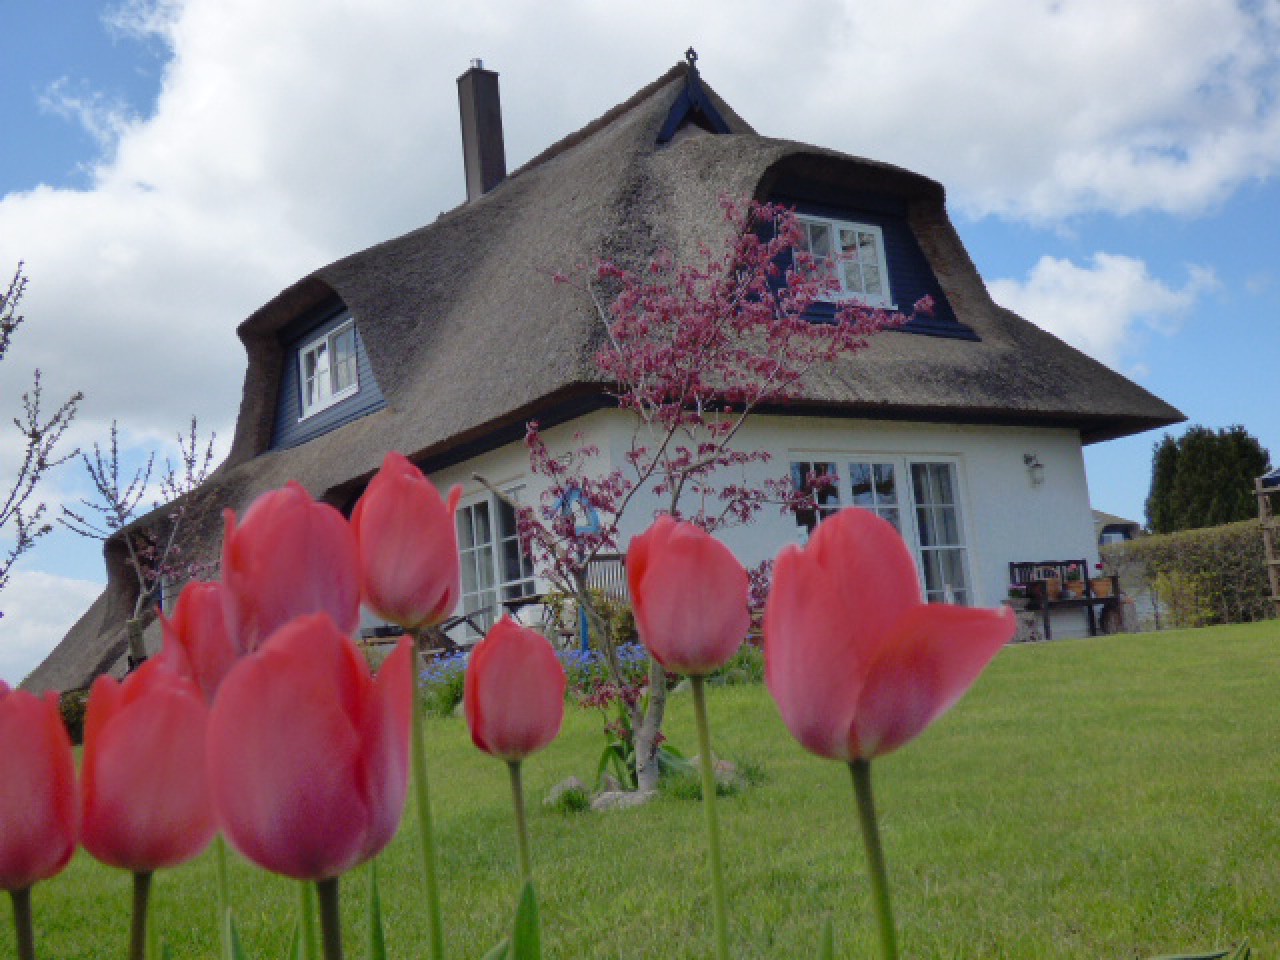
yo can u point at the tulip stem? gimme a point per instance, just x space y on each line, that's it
422 803
224 897
330 917
141 900
522 827
22 925
307 919
707 765
861 770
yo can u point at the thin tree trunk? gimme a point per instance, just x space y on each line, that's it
648 731
137 646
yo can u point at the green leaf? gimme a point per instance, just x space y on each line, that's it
295 945
827 948
377 933
526 941
233 938
501 952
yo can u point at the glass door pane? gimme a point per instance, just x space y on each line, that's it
943 559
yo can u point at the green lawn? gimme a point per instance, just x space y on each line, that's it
1107 798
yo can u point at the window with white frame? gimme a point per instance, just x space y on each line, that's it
920 498
853 254
327 366
495 567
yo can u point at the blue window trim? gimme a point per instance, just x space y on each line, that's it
291 427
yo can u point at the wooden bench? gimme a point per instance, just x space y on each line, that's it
1038 575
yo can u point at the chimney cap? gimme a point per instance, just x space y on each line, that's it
477 64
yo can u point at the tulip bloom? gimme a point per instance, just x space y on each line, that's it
146 799
196 640
690 597
514 692
288 557
39 804
308 753
408 546
857 664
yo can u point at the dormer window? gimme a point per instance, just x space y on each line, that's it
327 366
853 254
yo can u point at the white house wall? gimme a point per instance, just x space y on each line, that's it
1005 516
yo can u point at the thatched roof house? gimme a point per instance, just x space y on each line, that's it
443 342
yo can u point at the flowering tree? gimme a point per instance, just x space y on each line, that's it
22 520
692 351
154 554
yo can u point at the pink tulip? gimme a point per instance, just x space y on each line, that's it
857 663
308 753
288 557
196 640
514 692
690 597
408 546
39 804
146 799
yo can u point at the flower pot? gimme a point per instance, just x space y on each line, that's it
1053 588
1101 586
1074 588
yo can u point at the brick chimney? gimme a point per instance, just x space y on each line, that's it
484 159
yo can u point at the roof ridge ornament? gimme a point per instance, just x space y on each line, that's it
692 105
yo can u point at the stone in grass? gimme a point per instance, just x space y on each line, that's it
726 773
610 784
556 793
622 799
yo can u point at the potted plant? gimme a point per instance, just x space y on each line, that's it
1101 583
1075 580
1018 597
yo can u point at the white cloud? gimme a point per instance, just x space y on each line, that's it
39 608
1103 307
290 133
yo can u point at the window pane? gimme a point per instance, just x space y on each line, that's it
891 514
511 565
886 484
861 485
484 567
867 248
466 537
484 534
468 565
932 575
851 275
924 523
944 492
947 526
344 359
871 280
951 563
819 240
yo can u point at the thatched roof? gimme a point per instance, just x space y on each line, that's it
469 337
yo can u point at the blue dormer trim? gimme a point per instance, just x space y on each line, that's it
910 276
692 106
291 428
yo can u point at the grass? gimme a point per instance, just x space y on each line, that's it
1115 798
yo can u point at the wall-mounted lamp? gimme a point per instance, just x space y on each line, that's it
1035 469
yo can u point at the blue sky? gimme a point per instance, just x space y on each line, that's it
172 164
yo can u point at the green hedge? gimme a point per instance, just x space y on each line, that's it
1200 577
